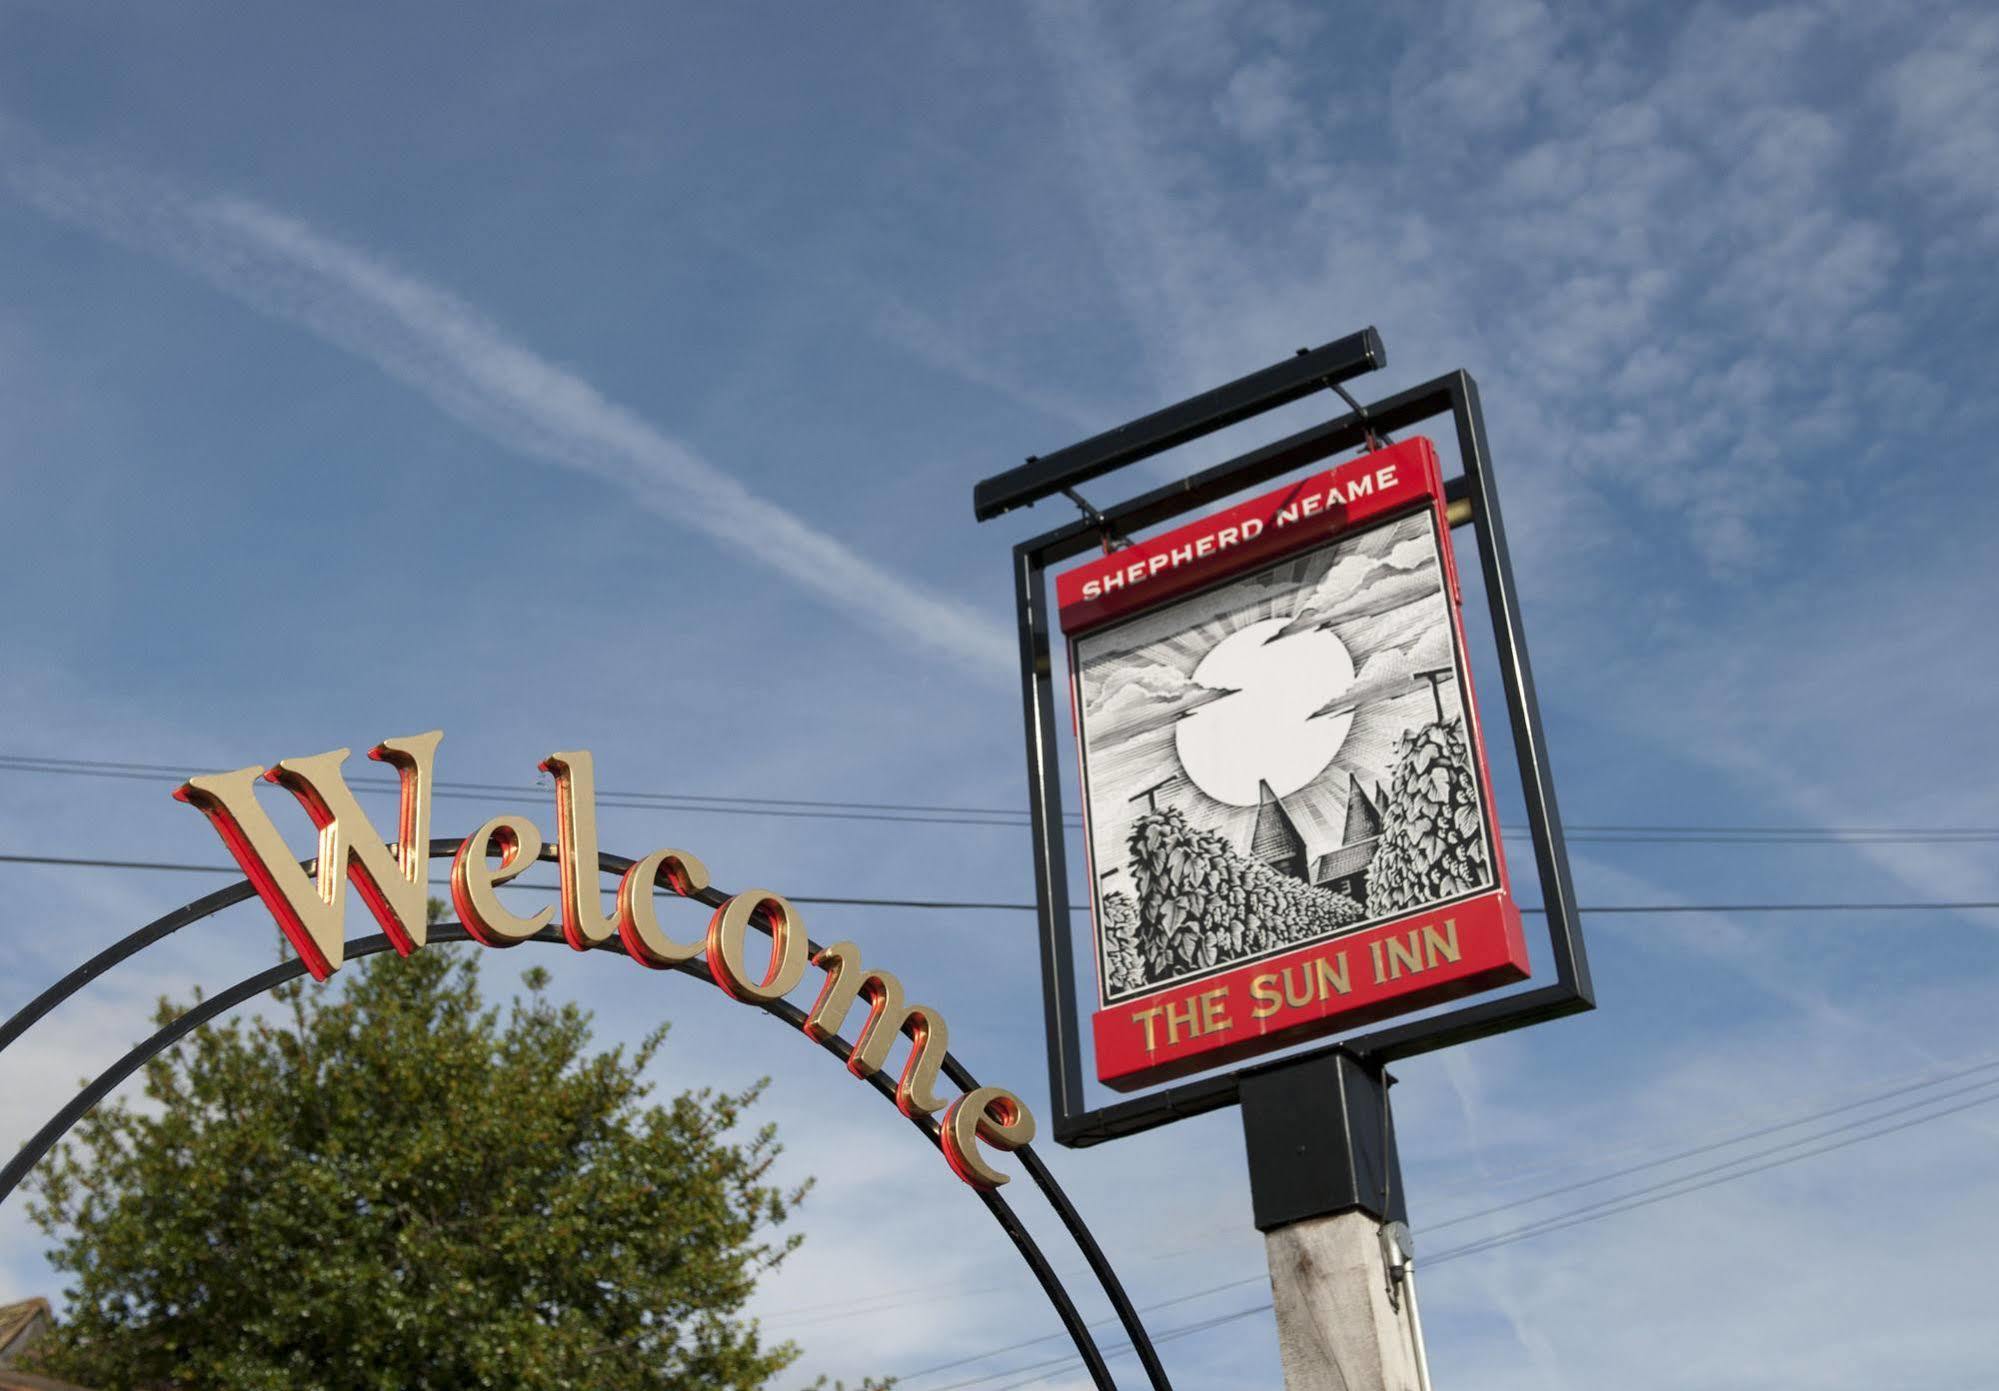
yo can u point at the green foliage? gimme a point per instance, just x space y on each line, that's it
395 1187
1200 902
1431 846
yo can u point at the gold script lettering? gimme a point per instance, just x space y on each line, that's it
847 981
583 921
992 1114
392 881
638 923
727 931
310 909
473 881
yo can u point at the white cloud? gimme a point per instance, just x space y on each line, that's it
1619 238
1258 101
441 346
1944 101
1812 1244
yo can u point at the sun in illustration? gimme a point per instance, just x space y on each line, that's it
1267 730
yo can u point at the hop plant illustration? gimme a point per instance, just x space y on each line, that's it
1122 960
1431 847
1199 902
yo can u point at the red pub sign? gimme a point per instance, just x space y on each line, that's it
1289 822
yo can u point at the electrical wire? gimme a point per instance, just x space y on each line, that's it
842 1308
986 816
627 801
957 905
1678 1186
1100 1323
1615 1174
718 804
1645 1197
27 763
1718 1138
1041 1370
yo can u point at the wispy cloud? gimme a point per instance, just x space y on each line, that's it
1944 99
1641 252
436 343
959 354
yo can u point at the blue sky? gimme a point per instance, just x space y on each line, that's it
617 378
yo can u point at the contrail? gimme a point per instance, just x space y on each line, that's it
436 343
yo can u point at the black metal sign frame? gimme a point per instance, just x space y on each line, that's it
1474 502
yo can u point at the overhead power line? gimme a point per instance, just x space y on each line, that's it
719 804
1680 1187
1720 1137
957 905
1868 1128
846 1307
1903 1087
1053 1337
631 801
1742 1138
1041 1371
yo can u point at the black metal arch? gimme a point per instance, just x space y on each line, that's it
187 1022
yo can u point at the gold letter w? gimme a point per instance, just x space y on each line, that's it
309 909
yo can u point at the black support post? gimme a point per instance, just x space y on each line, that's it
1321 1141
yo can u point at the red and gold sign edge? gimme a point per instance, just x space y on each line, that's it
1443 953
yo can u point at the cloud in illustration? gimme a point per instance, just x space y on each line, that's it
1153 721
1383 571
1138 687
1141 699
1390 673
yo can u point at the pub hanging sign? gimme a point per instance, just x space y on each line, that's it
1287 812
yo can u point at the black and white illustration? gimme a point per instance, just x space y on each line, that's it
1278 760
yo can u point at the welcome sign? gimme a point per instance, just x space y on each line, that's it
393 881
1288 815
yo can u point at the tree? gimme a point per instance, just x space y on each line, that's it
394 1187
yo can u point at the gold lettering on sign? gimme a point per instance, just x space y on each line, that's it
392 881
310 908
638 923
846 982
583 921
1333 976
727 931
1213 1003
1176 1020
1441 944
992 1114
1145 1017
473 881
1419 949
1404 956
1263 991
1318 981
